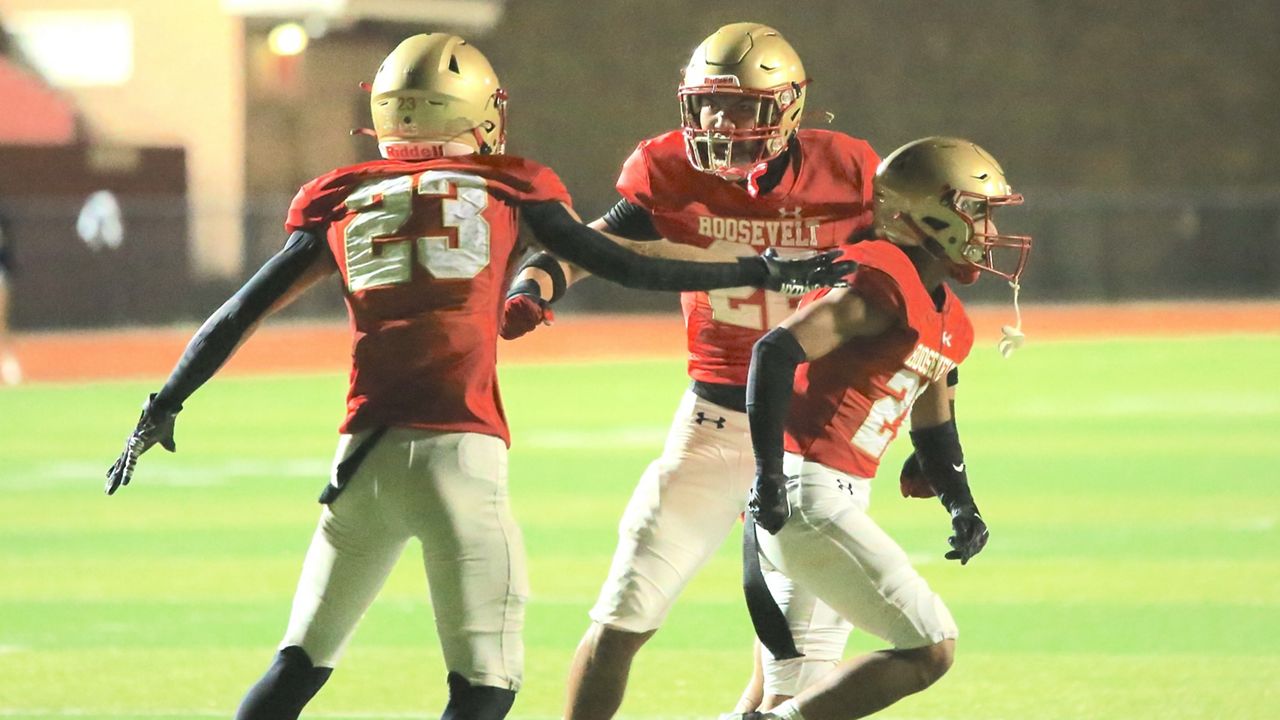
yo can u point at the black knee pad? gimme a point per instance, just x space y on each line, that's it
286 688
476 702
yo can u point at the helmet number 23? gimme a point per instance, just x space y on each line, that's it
378 255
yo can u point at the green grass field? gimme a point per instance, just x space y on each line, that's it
1133 572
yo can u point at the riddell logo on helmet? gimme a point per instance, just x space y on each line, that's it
412 151
731 80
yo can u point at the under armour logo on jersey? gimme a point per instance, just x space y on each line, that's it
703 418
793 213
946 339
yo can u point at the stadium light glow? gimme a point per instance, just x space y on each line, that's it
287 39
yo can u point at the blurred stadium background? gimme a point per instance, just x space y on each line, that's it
149 148
1144 140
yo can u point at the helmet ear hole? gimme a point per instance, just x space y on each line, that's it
936 224
453 65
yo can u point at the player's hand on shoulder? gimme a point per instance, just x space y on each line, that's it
768 503
155 427
524 310
800 275
970 533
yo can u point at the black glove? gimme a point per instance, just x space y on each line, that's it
970 533
799 276
155 426
768 503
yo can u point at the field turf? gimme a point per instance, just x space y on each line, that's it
1131 486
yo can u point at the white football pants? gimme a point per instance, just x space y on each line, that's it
448 490
687 503
831 550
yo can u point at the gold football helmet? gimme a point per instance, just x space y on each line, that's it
749 62
940 193
437 95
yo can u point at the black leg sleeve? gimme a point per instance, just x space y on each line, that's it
570 240
476 702
222 333
286 688
770 383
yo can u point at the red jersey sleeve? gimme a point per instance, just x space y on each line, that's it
879 290
316 202
633 181
521 180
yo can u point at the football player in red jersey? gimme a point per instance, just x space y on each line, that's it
422 241
876 352
740 176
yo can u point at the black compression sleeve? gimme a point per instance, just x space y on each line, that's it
214 342
942 460
590 250
770 382
549 265
628 220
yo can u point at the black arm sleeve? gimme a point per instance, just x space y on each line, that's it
548 264
770 382
628 220
214 342
570 240
942 460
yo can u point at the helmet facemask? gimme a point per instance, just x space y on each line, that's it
985 243
731 152
741 61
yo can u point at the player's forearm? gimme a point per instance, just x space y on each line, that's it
277 282
541 278
942 459
593 251
770 382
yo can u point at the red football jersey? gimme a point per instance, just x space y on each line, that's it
424 247
849 404
823 199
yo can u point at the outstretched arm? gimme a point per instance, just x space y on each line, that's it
542 279
301 263
561 233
